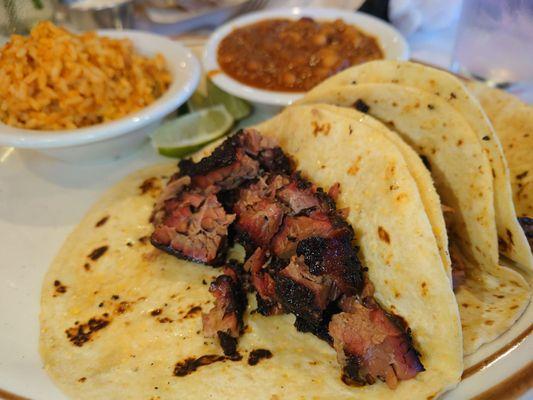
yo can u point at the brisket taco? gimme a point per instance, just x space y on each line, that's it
341 291
491 297
512 242
513 121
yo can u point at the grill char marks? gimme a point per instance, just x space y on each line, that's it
335 258
300 256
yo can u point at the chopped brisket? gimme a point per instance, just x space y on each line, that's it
298 199
228 177
259 214
224 320
193 226
335 258
300 256
370 345
298 228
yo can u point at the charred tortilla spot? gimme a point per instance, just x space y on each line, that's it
489 322
320 129
102 221
522 175
59 288
460 142
122 307
149 185
354 168
156 312
431 106
189 365
257 355
165 320
82 333
383 235
86 266
360 105
453 95
98 252
228 343
193 311
486 138
424 289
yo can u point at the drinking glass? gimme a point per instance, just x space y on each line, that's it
495 43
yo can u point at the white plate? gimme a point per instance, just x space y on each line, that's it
41 201
391 41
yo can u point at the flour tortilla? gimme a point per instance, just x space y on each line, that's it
493 297
454 92
134 356
420 174
513 121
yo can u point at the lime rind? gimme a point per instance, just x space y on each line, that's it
189 133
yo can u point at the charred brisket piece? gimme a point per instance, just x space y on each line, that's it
259 213
224 320
300 256
370 345
192 225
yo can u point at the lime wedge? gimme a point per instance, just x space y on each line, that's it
237 107
189 133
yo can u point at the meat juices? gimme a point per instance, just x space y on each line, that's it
300 256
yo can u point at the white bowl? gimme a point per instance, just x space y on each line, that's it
116 138
391 41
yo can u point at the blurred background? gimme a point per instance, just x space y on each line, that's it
489 40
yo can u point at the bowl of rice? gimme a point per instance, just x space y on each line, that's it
95 95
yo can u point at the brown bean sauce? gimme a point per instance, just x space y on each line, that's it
293 56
